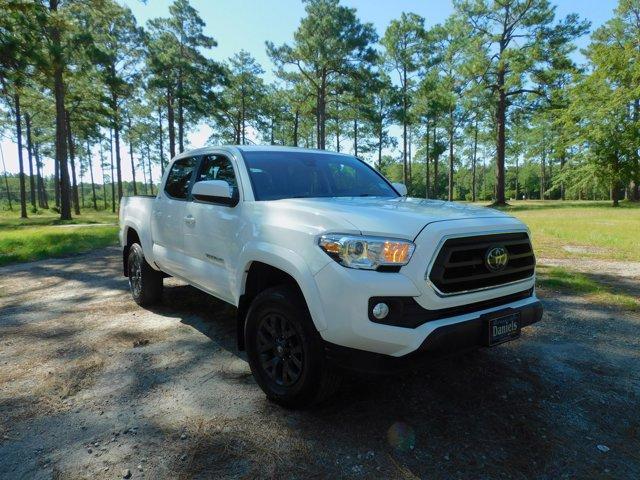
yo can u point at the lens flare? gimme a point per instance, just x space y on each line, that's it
401 436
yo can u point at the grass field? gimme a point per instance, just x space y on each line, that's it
582 229
43 235
559 229
567 281
11 219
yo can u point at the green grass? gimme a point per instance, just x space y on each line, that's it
581 229
570 229
563 280
11 219
43 235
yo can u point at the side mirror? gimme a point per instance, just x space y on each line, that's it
214 191
401 188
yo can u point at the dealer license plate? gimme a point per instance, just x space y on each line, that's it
503 328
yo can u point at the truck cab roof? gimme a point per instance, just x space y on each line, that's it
253 148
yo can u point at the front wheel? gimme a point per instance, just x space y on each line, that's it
285 350
144 281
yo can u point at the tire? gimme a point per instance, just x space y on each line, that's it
144 281
285 351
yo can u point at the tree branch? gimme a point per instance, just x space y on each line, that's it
525 90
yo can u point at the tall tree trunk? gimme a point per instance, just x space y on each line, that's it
322 111
517 185
144 172
410 156
23 193
242 115
180 98
104 184
484 177
113 186
562 161
355 137
543 160
133 165
405 171
61 134
296 121
451 135
32 179
72 160
171 123
380 135
426 162
180 126
615 184
6 180
43 202
500 141
160 146
81 180
56 181
436 190
150 173
614 194
318 94
473 164
93 185
116 136
273 131
635 187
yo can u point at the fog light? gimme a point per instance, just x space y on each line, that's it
380 310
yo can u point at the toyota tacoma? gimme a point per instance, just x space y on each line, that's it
329 264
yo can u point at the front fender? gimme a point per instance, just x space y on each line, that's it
289 262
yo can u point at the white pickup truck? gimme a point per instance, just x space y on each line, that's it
330 266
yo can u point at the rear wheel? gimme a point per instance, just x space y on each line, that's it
144 281
285 350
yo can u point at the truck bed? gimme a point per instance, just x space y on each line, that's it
136 211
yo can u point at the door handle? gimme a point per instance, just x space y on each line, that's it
190 220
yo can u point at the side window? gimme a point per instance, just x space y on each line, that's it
218 167
177 185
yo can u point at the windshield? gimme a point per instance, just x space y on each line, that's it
277 175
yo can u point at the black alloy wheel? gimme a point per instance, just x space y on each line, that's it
281 349
135 275
144 281
285 351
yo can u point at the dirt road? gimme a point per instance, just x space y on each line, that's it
92 386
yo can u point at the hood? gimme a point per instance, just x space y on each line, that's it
396 217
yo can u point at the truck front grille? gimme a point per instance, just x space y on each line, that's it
461 263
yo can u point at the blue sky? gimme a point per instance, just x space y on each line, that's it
247 24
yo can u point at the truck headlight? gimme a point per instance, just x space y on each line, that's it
366 253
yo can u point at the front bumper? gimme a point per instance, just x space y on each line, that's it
345 294
444 341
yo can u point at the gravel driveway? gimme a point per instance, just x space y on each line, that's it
92 386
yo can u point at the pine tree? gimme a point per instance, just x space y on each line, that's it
330 44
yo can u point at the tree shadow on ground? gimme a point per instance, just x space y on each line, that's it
519 410
534 408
